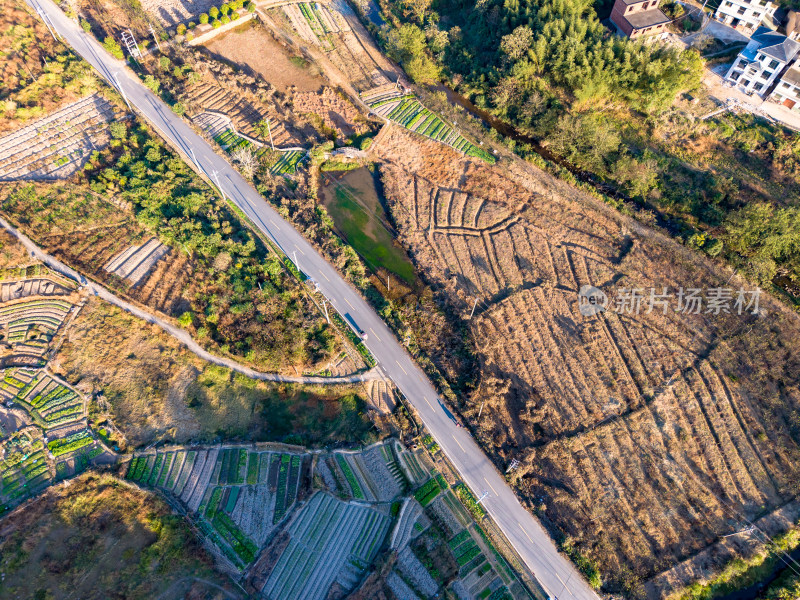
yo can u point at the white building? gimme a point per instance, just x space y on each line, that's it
745 15
758 66
787 92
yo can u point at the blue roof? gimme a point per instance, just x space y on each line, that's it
775 45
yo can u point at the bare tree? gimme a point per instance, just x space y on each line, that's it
247 160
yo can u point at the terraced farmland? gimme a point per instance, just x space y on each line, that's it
237 495
285 163
25 469
336 30
244 114
408 112
588 406
50 403
35 286
136 262
59 144
30 325
372 474
329 541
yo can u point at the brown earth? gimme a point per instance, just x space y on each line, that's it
156 390
336 112
86 231
254 47
641 438
98 534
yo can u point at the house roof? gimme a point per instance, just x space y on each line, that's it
647 18
629 2
792 76
775 45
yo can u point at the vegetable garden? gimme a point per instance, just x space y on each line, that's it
411 114
330 541
237 495
31 325
24 469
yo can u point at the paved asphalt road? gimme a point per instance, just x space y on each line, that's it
555 572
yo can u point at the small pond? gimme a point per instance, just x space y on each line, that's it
353 201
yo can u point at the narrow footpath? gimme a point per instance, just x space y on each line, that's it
179 334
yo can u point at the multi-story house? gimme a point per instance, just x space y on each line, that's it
638 18
745 15
787 92
760 63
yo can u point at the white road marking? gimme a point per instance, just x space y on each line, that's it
298 248
273 222
428 401
325 276
491 486
401 366
526 533
459 443
353 307
376 335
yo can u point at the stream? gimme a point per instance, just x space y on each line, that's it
510 132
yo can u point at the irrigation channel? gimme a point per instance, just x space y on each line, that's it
784 566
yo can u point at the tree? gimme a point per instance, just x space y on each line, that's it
417 8
152 84
247 159
408 45
203 18
517 43
213 12
113 47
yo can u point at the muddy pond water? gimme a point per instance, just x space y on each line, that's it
353 200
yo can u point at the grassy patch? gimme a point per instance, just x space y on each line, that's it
357 213
97 534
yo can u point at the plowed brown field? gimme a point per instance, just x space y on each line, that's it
643 438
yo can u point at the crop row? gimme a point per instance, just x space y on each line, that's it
241 544
283 476
466 552
351 478
469 501
70 443
252 468
427 492
287 163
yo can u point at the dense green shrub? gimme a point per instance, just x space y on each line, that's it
204 18
113 47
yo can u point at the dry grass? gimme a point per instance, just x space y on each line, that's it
642 438
157 390
97 537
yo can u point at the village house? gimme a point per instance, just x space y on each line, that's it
745 15
787 92
761 62
638 18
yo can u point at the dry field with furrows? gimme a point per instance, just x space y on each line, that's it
643 438
108 231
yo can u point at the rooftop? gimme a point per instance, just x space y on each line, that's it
775 45
792 76
647 18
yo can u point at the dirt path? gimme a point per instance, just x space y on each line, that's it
179 334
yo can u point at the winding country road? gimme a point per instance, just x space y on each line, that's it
555 572
179 334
